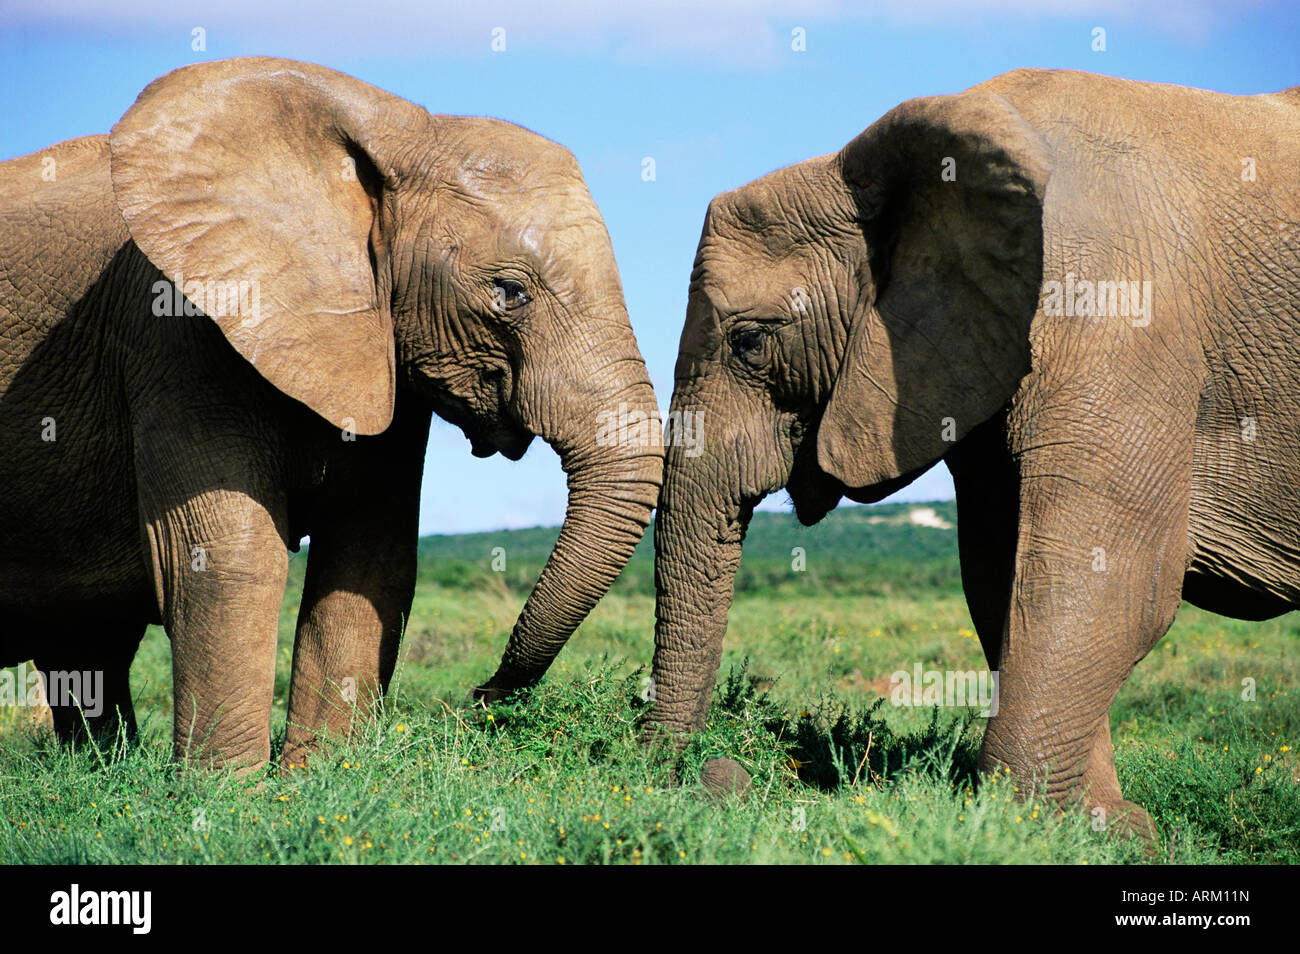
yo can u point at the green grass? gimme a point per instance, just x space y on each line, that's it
839 776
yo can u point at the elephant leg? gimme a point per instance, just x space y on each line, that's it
87 685
988 504
356 599
220 562
360 581
1097 583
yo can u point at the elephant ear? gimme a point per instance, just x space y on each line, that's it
949 194
257 186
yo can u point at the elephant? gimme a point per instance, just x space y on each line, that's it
226 326
1083 295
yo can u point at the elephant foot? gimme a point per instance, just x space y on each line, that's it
725 777
294 759
1126 819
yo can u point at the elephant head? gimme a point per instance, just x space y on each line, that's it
849 318
373 249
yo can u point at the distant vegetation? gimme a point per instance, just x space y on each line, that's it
870 550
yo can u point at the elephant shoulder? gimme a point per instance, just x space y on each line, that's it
59 229
72 165
61 197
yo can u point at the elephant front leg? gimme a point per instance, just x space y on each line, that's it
349 631
1096 585
359 586
988 507
222 562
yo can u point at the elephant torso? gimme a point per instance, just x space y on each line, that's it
1194 193
93 385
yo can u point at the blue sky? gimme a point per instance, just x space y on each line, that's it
713 92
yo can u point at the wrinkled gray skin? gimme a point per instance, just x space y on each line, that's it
407 265
920 335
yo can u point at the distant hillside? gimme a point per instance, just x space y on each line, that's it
877 549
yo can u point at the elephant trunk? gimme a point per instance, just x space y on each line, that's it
698 533
611 449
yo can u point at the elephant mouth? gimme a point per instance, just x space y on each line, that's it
488 434
813 503
510 441
504 434
813 492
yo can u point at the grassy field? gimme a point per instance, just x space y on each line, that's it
840 775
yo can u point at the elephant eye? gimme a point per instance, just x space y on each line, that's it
750 346
508 294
